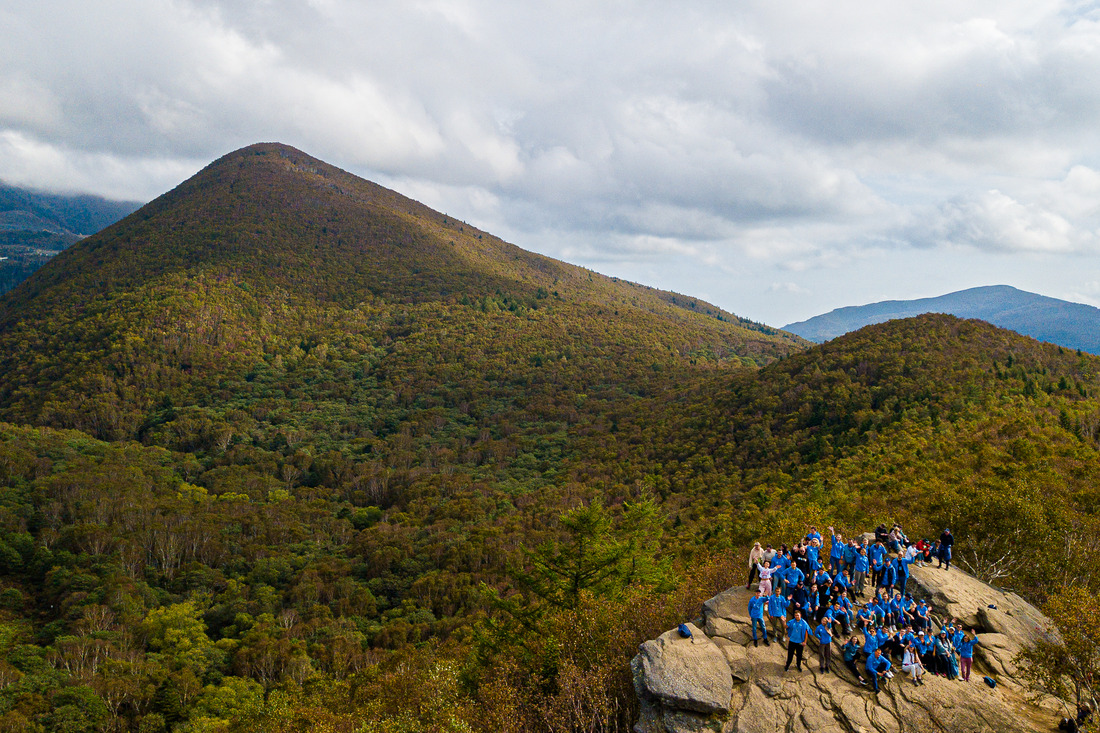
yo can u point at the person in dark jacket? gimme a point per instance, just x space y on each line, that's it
799 597
946 541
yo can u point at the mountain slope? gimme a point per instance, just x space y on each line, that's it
268 254
1073 325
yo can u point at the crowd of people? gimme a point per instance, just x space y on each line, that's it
859 589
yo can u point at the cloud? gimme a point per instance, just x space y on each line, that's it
732 137
788 287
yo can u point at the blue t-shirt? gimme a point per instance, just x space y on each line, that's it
824 633
777 606
797 630
756 607
875 664
966 648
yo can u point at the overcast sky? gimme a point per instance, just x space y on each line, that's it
779 159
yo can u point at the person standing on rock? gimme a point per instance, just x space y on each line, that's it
966 656
824 635
946 541
879 667
859 575
836 552
766 572
756 616
777 612
797 631
756 555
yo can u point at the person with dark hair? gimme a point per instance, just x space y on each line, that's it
799 596
756 616
824 635
879 667
966 655
777 613
912 664
838 614
797 631
850 652
941 647
836 551
1077 723
946 541
860 566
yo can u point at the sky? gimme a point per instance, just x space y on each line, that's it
778 159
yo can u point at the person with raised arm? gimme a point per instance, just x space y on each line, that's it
850 652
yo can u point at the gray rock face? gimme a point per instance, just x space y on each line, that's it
682 689
683 674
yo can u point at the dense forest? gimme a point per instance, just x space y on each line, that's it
286 451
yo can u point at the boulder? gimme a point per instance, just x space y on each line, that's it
681 692
684 674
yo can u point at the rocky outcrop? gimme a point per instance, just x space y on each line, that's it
718 681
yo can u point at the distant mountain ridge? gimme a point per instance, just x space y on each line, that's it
36 226
1061 322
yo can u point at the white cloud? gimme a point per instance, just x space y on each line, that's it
728 137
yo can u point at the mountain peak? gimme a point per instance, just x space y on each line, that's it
1072 325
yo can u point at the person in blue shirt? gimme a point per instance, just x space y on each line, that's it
824 635
851 551
865 616
838 614
966 655
812 535
756 616
859 571
797 631
901 573
836 551
813 600
792 576
887 577
777 612
879 667
812 554
850 652
920 617
870 642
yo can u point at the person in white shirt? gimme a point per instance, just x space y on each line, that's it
911 663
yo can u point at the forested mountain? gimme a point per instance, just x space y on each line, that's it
35 226
1073 325
286 451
